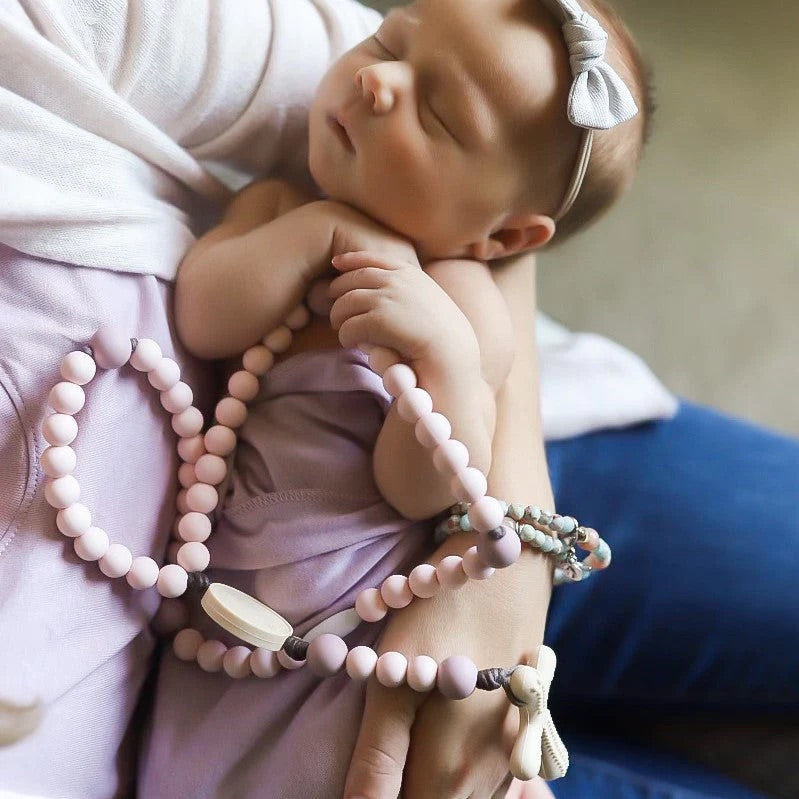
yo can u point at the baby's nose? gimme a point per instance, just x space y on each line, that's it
375 89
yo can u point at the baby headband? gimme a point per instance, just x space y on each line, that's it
598 98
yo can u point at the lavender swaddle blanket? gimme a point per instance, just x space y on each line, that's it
304 529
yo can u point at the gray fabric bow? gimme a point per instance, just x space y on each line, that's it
598 98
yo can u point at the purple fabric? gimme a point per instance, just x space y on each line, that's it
304 529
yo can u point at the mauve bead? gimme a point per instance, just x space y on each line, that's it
164 375
58 461
59 429
78 367
289 663
186 644
74 520
210 469
413 404
146 356
399 377
380 358
92 545
243 385
432 430
474 567
486 514
191 448
264 663
172 581
116 562
468 485
298 318
391 669
188 423
318 298
178 398
231 412
62 491
194 526
143 573
111 347
327 654
210 655
361 662
220 440
450 572
396 592
279 340
201 498
423 581
258 360
172 615
194 556
369 605
499 552
236 662
66 397
422 671
457 677
450 457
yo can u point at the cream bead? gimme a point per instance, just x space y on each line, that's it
92 545
62 491
146 356
422 672
450 457
391 669
59 429
66 397
74 520
78 367
468 485
414 404
58 461
116 562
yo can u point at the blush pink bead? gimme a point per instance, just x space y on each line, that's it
457 677
201 498
597 563
178 398
327 654
172 615
396 592
432 430
146 356
187 477
210 655
422 671
186 644
191 448
468 485
62 491
288 663
243 385
423 581
220 440
66 397
59 429
258 360
188 423
279 340
236 662
172 551
231 412
92 545
318 298
164 375
116 562
58 461
391 669
194 526
450 572
181 502
361 662
413 404
143 573
210 469
380 358
592 540
264 663
111 347
369 605
172 581
450 457
194 556
298 318
474 567
78 367
486 514
74 520
399 377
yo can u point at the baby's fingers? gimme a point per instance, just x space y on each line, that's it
346 262
353 303
365 278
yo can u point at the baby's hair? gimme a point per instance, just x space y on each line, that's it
616 152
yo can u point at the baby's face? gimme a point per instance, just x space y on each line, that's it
423 126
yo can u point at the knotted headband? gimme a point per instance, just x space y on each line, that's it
598 97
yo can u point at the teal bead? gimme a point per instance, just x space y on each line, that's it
465 524
504 506
564 525
545 518
602 552
538 538
527 533
532 513
516 512
546 544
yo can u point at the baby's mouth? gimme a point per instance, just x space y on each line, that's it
340 132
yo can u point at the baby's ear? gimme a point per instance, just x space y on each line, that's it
519 233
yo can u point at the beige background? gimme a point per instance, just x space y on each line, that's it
696 270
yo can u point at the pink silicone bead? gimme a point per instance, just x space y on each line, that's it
220 440
78 367
486 514
172 581
279 340
186 644
62 491
264 663
413 404
111 347
210 469
423 581
116 562
194 526
178 398
188 423
468 485
74 520
258 360
457 677
58 461
210 655
143 573
231 412
318 298
172 551
236 662
361 662
391 669
396 592
432 430
191 448
172 615
450 457
380 358
298 318
201 498
146 356
59 429
92 545
398 378
194 556
187 477
474 567
422 672
288 663
181 503
165 374
243 385
450 572
592 540
369 605
597 563
66 397
326 655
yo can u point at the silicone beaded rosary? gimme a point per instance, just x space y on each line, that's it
500 531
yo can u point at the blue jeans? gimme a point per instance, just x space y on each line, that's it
699 611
